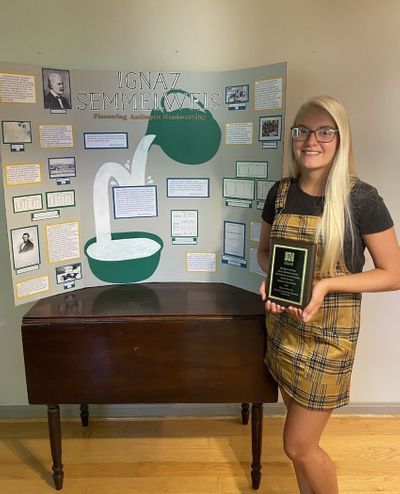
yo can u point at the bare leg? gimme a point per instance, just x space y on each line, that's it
304 486
315 471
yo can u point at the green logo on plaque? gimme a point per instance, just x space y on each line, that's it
289 258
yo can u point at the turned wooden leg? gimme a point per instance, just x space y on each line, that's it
53 415
256 442
84 409
245 413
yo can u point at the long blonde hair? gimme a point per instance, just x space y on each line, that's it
336 216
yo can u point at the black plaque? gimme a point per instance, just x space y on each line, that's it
291 272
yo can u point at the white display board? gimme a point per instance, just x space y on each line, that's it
130 176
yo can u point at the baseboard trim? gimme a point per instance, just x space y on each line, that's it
182 410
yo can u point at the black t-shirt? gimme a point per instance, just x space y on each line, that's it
369 214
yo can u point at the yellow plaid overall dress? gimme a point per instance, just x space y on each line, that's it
312 362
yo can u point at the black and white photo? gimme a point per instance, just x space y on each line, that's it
62 167
237 94
15 132
56 89
270 128
25 247
68 272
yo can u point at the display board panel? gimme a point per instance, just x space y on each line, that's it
102 168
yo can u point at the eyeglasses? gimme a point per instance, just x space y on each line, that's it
322 134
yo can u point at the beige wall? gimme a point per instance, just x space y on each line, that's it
347 48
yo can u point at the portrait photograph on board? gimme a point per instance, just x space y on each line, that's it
25 247
56 89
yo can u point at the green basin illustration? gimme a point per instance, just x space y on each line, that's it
126 270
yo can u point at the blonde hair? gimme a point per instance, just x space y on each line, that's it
336 216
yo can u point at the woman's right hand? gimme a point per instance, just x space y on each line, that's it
269 306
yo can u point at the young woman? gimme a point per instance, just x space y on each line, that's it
310 352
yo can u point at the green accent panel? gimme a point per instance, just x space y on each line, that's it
126 271
188 136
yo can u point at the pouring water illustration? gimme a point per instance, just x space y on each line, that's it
187 136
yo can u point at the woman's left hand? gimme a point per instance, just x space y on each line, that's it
320 289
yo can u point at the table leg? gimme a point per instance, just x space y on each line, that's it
84 409
245 413
256 442
53 414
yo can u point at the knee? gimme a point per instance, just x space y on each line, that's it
297 450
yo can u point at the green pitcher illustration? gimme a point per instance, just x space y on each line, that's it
188 136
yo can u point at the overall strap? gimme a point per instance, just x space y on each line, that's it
280 199
352 181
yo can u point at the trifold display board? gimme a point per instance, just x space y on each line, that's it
127 176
